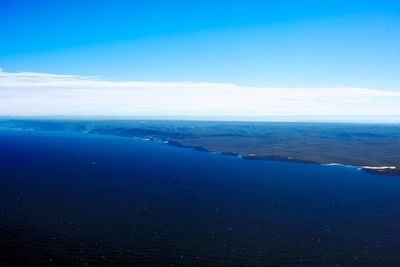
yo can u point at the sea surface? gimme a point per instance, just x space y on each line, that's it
81 199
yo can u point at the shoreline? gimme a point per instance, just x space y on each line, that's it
381 170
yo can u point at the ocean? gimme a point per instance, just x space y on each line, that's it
81 199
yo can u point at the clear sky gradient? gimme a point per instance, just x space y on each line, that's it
264 44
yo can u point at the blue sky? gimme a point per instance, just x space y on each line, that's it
272 44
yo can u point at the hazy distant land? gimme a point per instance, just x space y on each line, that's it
374 147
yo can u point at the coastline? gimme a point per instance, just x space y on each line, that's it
381 170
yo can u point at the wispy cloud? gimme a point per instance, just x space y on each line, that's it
28 93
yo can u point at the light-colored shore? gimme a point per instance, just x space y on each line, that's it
363 167
379 167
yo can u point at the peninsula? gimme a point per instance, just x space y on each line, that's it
375 148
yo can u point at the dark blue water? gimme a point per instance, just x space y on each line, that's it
75 199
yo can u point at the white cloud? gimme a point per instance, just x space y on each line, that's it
28 93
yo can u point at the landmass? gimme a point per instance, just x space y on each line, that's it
375 148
